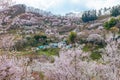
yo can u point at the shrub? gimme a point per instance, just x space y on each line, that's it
111 23
72 37
106 25
37 37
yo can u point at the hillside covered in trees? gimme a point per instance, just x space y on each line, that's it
39 45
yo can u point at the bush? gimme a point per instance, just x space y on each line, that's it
111 23
106 25
37 37
72 37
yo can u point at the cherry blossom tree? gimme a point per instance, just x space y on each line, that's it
13 68
7 42
6 3
71 66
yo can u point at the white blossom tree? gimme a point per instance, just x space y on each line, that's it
6 3
13 68
70 66
7 42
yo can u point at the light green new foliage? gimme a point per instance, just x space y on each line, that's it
72 37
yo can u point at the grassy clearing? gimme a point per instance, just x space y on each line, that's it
90 47
86 48
49 52
95 56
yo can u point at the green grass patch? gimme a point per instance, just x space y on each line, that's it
87 47
91 47
41 75
95 55
49 52
96 47
24 53
12 31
